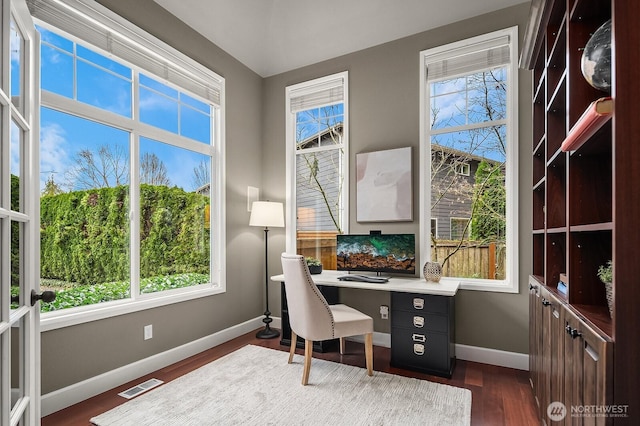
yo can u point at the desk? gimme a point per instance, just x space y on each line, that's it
422 319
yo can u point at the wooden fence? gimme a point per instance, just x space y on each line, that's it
318 244
471 261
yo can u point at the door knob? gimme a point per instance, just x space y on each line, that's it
45 296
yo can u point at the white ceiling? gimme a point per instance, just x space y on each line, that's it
274 36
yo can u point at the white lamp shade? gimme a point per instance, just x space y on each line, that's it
267 213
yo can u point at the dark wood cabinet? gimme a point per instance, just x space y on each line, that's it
585 211
569 361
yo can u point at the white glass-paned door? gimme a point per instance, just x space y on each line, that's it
19 217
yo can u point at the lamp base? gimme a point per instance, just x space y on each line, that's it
267 333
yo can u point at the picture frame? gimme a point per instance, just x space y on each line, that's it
384 186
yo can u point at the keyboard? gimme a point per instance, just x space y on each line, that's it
363 278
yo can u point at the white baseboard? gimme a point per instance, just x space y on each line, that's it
379 339
65 397
493 356
468 353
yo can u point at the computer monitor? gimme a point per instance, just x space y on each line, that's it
388 253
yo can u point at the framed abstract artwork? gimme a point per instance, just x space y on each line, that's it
384 190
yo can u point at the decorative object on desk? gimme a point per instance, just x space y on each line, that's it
605 273
383 186
592 119
315 266
432 271
596 58
267 214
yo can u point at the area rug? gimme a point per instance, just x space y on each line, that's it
256 386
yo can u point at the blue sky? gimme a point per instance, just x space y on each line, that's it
75 72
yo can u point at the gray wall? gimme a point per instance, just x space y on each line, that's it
76 353
384 114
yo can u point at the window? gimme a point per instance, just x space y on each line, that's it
463 169
317 141
468 161
434 227
460 228
130 166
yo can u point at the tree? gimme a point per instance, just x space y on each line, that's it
153 171
107 168
201 175
51 188
320 172
459 139
489 222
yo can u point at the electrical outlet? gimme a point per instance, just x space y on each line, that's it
148 332
384 312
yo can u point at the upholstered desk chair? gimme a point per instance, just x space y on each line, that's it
313 319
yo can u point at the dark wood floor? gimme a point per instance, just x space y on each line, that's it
501 396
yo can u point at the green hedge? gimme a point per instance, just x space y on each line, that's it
82 295
85 234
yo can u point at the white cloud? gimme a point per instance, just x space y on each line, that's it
54 158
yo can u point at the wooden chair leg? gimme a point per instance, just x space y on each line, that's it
292 349
342 346
368 351
308 350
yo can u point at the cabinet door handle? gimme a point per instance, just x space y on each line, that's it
545 302
418 349
418 303
419 338
418 322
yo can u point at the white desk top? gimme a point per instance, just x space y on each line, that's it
446 286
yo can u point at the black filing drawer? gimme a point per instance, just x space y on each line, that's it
420 321
427 352
420 303
422 333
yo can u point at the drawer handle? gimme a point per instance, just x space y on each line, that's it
418 322
419 338
418 349
418 303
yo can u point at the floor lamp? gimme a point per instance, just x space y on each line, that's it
267 214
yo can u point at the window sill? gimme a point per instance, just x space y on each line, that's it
501 286
74 316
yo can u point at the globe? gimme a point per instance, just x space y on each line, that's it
596 58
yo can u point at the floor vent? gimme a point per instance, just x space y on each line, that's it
142 387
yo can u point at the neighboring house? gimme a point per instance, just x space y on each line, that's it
318 172
452 190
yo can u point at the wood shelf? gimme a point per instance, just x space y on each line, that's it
593 119
585 205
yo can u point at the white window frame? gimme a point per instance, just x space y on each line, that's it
510 284
309 88
434 221
198 82
463 169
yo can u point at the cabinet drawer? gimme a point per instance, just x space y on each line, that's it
419 302
407 350
419 321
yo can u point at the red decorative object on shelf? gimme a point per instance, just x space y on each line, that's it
598 113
